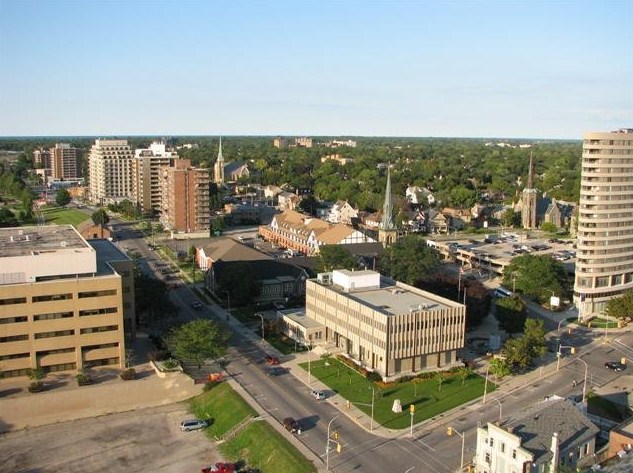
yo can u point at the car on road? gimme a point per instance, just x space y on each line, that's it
220 467
272 360
193 424
317 394
276 371
614 366
196 305
292 425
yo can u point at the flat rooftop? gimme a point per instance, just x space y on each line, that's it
299 317
106 252
22 241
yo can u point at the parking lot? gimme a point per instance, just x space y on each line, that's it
146 440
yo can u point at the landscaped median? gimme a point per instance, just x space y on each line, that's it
432 394
233 423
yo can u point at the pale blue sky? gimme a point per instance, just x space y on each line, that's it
550 69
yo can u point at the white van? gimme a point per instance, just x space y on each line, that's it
502 292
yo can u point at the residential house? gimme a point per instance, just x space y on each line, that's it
419 195
540 439
287 201
342 212
438 223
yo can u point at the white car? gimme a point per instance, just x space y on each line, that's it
317 394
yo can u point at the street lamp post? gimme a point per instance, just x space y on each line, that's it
486 384
327 443
228 301
459 284
559 324
559 353
584 384
261 317
373 397
310 366
451 431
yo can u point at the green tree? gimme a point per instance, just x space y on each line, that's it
464 373
536 276
62 197
621 307
335 257
153 305
239 280
197 341
7 218
100 217
499 367
511 218
217 225
511 312
409 259
520 352
549 227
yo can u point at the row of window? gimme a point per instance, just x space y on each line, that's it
58 333
58 315
58 297
60 367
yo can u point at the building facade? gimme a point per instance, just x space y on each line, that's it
185 197
65 303
65 162
110 171
145 171
604 267
389 327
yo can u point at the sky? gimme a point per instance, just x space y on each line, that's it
513 69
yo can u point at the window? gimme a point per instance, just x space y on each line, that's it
52 297
514 454
107 328
58 333
102 311
502 447
487 458
14 320
104 293
15 356
53 316
14 338
492 442
14 300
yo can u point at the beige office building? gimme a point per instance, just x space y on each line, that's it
389 327
185 197
65 303
604 267
145 171
110 171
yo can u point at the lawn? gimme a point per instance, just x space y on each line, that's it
429 399
223 406
264 448
62 216
258 444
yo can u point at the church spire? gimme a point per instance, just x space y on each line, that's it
387 208
530 183
220 157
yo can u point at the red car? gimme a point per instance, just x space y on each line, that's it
220 467
272 360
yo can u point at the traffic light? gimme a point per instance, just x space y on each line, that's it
338 448
573 350
412 408
335 435
449 431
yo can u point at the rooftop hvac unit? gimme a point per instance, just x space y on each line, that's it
324 278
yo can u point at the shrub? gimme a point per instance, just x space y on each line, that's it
83 379
170 364
128 374
374 377
36 387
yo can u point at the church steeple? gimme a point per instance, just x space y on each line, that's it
387 232
218 168
530 183
529 200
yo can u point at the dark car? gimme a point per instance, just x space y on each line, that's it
292 425
276 371
614 366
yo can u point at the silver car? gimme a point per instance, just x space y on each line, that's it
193 424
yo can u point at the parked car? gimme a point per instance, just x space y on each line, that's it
193 424
317 394
220 467
276 371
292 425
272 360
614 366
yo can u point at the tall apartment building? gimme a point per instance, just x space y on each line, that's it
110 171
65 162
146 175
185 201
389 327
42 158
64 302
604 267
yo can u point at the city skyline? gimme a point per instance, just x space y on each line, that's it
351 68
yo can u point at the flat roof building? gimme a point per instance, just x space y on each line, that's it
110 171
65 303
386 326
